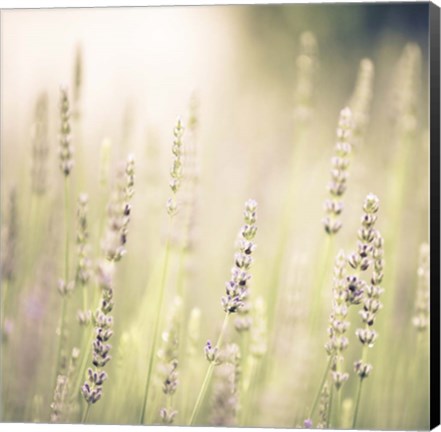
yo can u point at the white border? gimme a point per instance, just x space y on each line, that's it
21 4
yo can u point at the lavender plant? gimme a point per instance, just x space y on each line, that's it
60 404
237 293
370 247
420 319
168 355
339 173
225 403
172 207
84 263
9 258
66 162
92 389
119 211
40 146
361 100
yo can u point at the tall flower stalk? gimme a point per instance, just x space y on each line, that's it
66 165
306 71
191 350
257 349
352 290
225 404
361 99
370 248
40 147
92 389
114 248
339 173
84 263
9 257
236 297
333 205
188 201
406 113
169 362
420 322
60 403
39 179
421 316
338 325
172 207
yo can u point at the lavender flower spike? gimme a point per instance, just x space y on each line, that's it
236 296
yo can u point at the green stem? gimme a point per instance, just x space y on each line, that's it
29 254
328 417
357 403
4 385
337 405
85 414
322 383
84 352
67 222
246 395
3 305
323 268
60 337
66 275
337 408
85 299
286 222
181 274
87 342
156 327
209 374
181 292
410 404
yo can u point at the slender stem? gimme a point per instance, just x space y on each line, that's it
87 343
85 298
102 219
323 268
30 249
67 219
202 392
60 337
5 287
66 274
337 408
248 374
363 358
322 383
357 403
181 273
85 414
209 374
246 395
286 222
156 327
337 405
4 369
84 351
182 331
331 397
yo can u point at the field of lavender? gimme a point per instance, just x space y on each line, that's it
215 216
